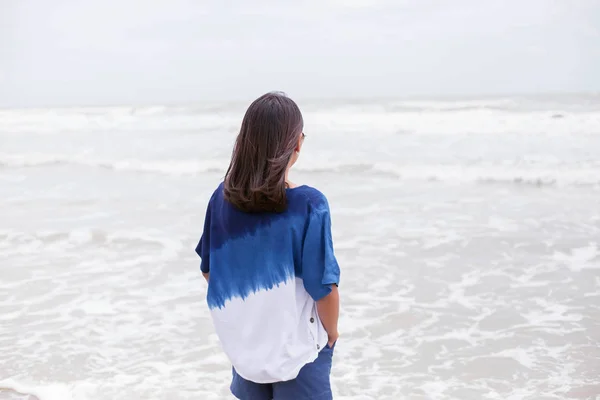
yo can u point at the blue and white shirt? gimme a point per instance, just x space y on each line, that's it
267 270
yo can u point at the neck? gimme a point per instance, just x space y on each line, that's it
287 180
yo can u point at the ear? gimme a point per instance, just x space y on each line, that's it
299 145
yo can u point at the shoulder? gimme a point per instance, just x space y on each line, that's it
316 200
219 191
216 194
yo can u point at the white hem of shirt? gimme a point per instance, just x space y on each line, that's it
268 336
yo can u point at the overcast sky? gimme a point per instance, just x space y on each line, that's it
75 52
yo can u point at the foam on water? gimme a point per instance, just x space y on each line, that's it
480 116
51 391
536 175
468 234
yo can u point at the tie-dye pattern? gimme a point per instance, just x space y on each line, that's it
246 252
258 260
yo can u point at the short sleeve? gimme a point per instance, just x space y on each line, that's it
320 269
203 247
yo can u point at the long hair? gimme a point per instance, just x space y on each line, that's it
255 179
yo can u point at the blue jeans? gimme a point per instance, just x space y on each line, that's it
312 383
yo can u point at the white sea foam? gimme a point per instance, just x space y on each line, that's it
534 175
384 117
170 167
42 391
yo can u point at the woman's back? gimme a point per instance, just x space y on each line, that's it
267 270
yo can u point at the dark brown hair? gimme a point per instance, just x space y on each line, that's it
255 179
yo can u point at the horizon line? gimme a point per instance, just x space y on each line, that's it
313 99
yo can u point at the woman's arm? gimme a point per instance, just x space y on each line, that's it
329 313
205 275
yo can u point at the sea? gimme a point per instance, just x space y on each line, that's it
467 231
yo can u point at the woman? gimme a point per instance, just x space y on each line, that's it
267 255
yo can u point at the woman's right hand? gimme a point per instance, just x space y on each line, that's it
332 338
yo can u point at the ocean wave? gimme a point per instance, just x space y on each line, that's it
548 176
162 247
169 167
542 175
480 116
51 391
502 104
532 174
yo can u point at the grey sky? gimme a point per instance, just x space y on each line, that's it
69 52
